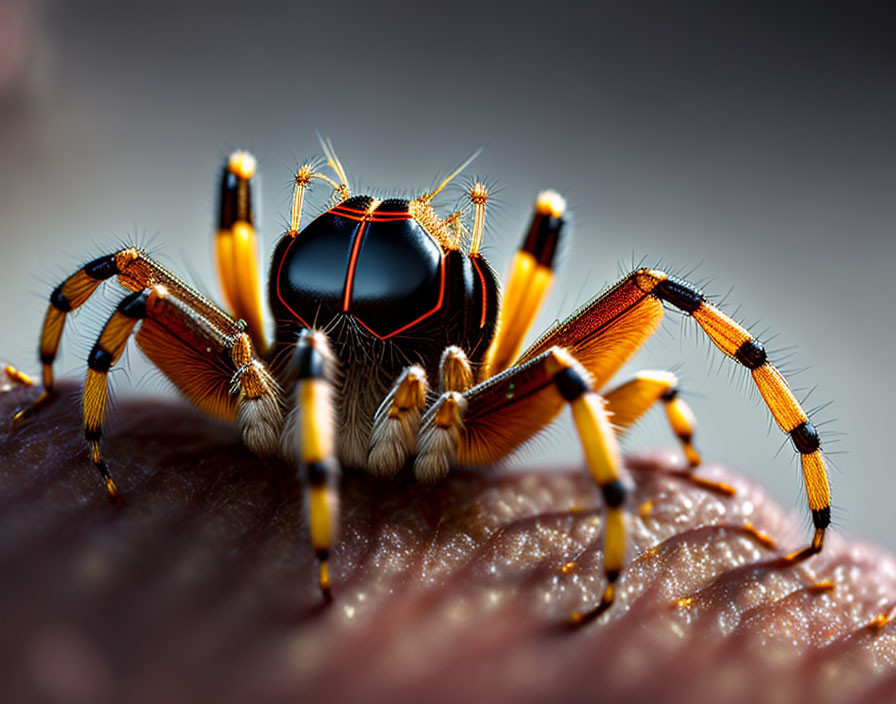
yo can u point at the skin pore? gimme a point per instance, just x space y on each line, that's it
201 585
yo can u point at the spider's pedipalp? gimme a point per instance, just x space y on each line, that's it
396 422
440 436
455 372
505 410
259 415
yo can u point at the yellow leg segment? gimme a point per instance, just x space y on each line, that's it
598 437
105 353
236 245
314 431
18 377
529 282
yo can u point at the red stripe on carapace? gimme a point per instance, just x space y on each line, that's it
279 295
484 291
359 216
422 317
350 276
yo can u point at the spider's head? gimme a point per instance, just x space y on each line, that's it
393 267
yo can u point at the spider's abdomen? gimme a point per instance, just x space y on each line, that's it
378 266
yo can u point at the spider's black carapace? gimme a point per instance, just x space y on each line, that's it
374 264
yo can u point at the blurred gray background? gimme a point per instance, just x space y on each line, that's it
753 141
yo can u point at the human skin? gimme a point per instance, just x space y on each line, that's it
201 585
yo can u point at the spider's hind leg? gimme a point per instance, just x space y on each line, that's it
629 401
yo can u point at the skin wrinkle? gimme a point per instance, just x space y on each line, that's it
201 586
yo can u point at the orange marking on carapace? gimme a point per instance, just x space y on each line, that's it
377 216
279 295
484 301
350 276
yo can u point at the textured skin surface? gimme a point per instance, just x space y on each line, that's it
201 586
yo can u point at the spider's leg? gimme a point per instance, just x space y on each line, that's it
629 401
608 330
396 422
236 245
513 406
216 369
135 271
66 297
531 274
308 441
736 342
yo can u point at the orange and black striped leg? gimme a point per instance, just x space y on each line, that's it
236 245
502 412
628 402
308 439
69 295
737 343
105 353
135 271
217 371
529 281
396 422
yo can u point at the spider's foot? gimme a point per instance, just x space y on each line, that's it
761 537
112 491
325 580
17 377
807 552
582 618
691 455
708 484
100 464
28 411
878 622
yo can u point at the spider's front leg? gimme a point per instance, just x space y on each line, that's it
308 442
507 409
608 330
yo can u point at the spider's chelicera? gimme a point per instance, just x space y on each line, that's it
393 349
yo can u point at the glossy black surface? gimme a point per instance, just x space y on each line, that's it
379 276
